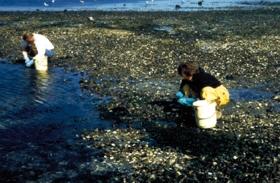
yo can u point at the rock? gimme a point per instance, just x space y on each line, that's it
277 98
90 18
229 77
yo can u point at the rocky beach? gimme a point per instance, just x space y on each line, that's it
131 59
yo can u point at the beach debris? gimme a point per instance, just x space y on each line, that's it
90 18
277 98
164 28
130 151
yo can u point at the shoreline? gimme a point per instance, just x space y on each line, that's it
184 10
133 56
246 6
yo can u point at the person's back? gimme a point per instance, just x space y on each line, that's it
42 44
200 80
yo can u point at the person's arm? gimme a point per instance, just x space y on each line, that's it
23 46
25 55
28 62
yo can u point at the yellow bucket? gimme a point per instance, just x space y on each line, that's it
205 114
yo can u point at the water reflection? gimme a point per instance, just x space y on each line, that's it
42 115
41 84
29 96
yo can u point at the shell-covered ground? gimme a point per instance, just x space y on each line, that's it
132 57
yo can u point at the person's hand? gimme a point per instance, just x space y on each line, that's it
186 101
27 60
29 63
179 94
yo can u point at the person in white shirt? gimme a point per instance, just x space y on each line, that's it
36 48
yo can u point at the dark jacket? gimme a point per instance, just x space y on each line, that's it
200 80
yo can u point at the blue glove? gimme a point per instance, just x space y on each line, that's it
179 94
29 63
186 101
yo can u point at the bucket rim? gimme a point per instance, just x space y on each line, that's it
200 103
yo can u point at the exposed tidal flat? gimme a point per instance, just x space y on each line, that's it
132 58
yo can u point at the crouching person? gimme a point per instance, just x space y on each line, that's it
36 49
197 84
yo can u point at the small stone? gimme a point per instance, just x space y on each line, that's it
90 18
277 98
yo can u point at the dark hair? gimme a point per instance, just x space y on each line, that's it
188 69
31 48
27 36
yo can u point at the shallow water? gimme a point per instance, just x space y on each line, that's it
246 94
41 116
165 28
28 96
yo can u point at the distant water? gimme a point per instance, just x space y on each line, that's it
138 5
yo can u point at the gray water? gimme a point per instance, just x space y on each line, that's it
41 118
137 5
249 94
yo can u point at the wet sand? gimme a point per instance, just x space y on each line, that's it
132 57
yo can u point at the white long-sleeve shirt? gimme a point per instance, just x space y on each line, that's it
42 44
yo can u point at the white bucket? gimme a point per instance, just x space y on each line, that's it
41 64
205 114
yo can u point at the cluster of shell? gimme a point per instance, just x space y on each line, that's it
132 57
127 152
